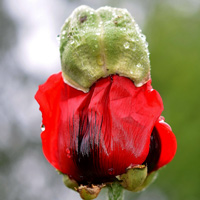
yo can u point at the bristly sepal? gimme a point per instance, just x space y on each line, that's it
98 43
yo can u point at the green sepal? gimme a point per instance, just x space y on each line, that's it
133 178
115 191
89 192
70 183
149 180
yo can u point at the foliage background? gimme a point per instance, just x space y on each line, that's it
29 54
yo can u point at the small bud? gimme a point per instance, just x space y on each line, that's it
98 43
88 193
133 178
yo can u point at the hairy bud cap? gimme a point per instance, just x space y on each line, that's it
97 43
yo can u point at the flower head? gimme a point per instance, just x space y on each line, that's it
93 137
113 133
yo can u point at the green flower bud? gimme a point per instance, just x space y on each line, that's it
97 43
133 178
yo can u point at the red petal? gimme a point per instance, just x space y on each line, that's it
129 117
168 143
119 119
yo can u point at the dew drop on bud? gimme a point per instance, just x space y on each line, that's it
134 47
68 153
42 127
126 45
138 65
111 171
63 32
58 39
100 60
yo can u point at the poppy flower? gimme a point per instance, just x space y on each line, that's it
93 137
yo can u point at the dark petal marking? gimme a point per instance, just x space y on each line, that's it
87 154
154 151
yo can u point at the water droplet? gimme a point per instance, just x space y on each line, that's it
143 37
68 152
58 39
134 47
126 45
42 127
138 65
111 171
133 39
100 60
124 29
64 32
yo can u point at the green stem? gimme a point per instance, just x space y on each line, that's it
115 191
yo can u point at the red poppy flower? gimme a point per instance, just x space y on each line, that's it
94 136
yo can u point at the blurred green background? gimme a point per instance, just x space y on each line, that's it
174 43
172 29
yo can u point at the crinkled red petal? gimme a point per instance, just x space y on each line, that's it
167 142
97 134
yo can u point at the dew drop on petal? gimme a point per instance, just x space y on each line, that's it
111 171
42 127
68 153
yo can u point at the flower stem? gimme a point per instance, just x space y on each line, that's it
115 191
